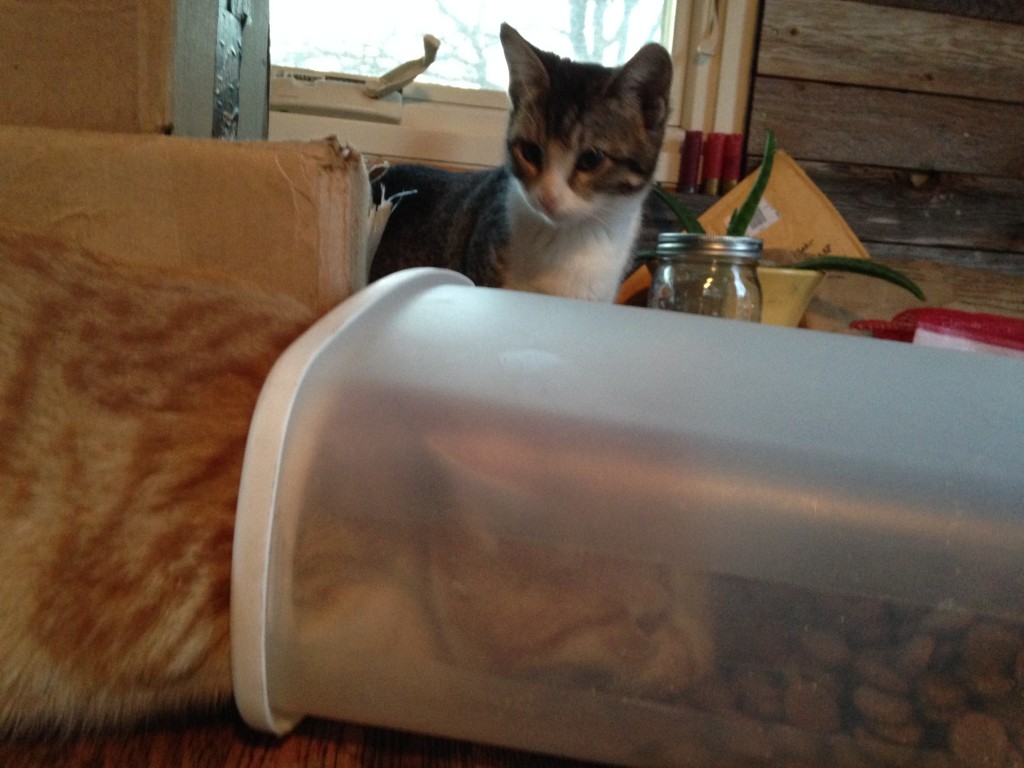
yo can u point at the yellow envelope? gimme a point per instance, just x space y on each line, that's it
794 215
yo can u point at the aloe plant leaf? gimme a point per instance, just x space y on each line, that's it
686 218
863 267
742 216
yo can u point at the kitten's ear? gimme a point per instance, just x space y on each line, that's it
526 72
648 75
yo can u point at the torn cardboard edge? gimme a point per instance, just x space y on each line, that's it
289 217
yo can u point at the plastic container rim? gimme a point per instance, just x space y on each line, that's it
259 486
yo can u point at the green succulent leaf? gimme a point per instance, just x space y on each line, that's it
742 216
686 218
863 267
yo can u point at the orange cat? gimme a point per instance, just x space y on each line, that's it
125 401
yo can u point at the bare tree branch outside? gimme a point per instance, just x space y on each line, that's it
319 35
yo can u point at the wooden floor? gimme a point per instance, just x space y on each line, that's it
224 741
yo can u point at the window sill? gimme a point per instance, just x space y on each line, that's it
457 144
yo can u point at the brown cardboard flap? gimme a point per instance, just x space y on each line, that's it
287 216
95 65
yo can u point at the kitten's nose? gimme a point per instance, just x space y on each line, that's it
552 196
548 200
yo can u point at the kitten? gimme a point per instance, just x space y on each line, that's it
125 401
562 214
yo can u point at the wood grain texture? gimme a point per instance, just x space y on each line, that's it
934 210
992 10
223 741
909 114
888 128
1004 262
856 44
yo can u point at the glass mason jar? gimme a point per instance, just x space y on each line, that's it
712 275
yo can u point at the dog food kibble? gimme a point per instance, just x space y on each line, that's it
810 706
807 679
979 740
880 706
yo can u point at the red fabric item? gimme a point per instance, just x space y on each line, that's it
972 327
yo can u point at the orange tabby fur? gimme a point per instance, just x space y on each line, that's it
125 399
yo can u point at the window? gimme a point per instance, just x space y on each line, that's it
455 113
383 35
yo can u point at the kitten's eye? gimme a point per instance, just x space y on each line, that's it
589 159
530 152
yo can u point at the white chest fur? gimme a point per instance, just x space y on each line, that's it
580 257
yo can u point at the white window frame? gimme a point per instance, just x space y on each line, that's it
457 128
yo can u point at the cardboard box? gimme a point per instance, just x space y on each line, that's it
138 66
288 216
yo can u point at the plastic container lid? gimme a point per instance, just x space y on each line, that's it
259 501
842 464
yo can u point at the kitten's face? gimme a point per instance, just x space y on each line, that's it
581 136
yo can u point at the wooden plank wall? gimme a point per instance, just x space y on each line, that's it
909 114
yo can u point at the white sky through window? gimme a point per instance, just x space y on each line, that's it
371 38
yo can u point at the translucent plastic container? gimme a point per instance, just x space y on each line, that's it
640 537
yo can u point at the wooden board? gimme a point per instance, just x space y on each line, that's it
1005 262
853 124
908 114
992 10
222 741
941 210
854 43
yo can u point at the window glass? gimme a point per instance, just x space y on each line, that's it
374 37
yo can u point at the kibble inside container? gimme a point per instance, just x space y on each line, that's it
722 544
